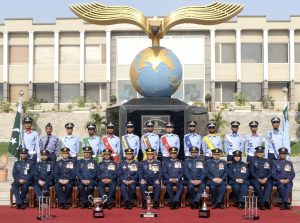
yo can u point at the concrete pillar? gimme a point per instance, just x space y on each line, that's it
238 57
292 70
292 95
238 86
30 89
5 91
56 71
108 73
5 67
81 91
56 96
212 90
266 63
212 67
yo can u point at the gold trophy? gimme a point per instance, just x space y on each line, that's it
148 213
98 205
204 212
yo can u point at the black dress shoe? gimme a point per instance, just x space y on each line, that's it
126 205
221 206
22 206
242 205
215 206
156 205
192 205
197 205
18 206
82 205
66 206
267 205
109 205
172 206
61 206
287 205
282 206
176 205
262 206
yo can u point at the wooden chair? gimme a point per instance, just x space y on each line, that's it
273 197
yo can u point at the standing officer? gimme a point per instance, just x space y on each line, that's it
130 140
252 141
70 141
22 174
217 178
150 139
260 176
30 140
173 173
128 176
107 176
169 140
150 175
65 173
92 140
192 139
211 141
274 140
50 143
233 141
86 172
111 142
195 173
283 174
43 174
238 176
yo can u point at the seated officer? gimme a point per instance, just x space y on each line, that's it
173 173
43 174
283 174
195 173
216 178
238 176
65 173
150 175
128 176
86 172
22 174
107 176
260 176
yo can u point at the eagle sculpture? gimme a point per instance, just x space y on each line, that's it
155 28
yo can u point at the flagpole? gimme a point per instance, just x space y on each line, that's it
21 93
285 127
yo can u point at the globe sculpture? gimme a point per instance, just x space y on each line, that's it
156 72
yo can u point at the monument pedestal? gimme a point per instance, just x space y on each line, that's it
160 110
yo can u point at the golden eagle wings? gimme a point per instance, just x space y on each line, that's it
212 14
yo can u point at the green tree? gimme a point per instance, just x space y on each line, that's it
219 120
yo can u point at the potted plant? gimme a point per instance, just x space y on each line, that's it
113 99
208 98
3 169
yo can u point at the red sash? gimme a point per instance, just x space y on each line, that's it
165 143
108 146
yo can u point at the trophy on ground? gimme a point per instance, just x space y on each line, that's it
44 207
204 212
148 213
251 207
98 205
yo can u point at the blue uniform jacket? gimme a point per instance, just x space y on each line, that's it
23 170
172 168
107 170
44 170
238 170
216 169
194 169
128 170
260 168
283 170
86 169
150 170
65 169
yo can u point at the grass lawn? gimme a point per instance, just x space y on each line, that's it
3 147
296 149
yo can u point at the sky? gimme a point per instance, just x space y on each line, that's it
49 10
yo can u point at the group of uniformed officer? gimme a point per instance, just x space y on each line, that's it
109 171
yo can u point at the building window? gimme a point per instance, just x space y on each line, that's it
253 91
251 53
1 91
297 52
179 93
225 53
193 90
69 92
18 55
278 53
228 90
93 54
44 92
70 54
44 55
218 91
92 92
125 90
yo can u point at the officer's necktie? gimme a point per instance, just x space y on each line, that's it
47 142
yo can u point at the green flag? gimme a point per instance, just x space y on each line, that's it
15 134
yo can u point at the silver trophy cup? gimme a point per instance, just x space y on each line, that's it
148 213
44 208
98 202
251 207
204 212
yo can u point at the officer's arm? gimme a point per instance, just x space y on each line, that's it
186 171
274 173
56 172
138 145
270 171
252 171
159 175
226 145
120 173
15 172
77 146
243 150
203 146
267 145
73 173
209 174
94 172
114 175
35 173
220 144
246 176
41 145
230 173
165 171
204 173
57 146
118 146
292 176
51 176
178 142
37 146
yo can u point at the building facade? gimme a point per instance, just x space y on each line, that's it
60 62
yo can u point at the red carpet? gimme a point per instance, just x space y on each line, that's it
119 215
